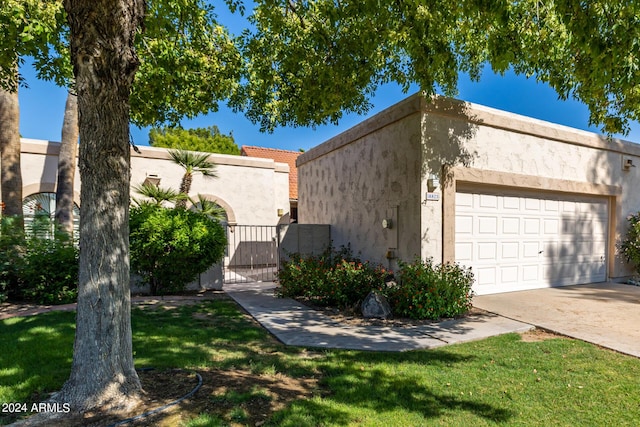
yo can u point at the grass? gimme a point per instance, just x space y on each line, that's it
498 381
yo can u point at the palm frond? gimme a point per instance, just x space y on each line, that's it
158 194
209 208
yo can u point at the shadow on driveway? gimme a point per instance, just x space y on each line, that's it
606 314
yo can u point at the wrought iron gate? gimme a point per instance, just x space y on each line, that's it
252 253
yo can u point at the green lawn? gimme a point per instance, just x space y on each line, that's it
501 380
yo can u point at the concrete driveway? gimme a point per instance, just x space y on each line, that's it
607 314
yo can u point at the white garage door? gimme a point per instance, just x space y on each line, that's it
526 241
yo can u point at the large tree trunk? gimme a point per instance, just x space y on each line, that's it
67 165
102 37
11 182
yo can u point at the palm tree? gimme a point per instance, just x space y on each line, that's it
11 182
192 163
157 194
67 164
209 208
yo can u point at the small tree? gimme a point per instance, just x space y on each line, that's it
198 139
170 247
192 163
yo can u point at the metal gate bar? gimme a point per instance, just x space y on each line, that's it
252 253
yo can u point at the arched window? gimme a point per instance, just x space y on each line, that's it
39 213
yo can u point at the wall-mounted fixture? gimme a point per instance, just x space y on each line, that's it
387 223
280 212
433 182
152 179
627 163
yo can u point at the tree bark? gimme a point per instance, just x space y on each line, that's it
102 36
185 187
67 165
11 182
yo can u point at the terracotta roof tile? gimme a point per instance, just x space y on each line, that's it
280 156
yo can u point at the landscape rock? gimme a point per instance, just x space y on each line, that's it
375 305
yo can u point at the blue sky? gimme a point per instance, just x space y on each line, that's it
42 108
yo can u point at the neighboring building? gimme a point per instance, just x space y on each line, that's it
525 203
281 156
252 191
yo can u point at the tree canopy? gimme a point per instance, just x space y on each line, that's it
308 62
209 139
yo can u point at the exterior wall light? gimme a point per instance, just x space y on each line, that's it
152 179
433 182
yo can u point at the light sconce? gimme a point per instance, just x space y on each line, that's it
627 163
433 182
387 223
280 212
152 179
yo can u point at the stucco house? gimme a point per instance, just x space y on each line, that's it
280 156
525 203
252 191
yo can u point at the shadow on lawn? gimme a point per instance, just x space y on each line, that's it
35 358
353 382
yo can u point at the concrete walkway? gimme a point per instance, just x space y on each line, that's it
606 314
297 325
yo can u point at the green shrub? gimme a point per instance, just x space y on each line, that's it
630 247
170 247
12 247
335 278
425 291
49 271
338 279
34 268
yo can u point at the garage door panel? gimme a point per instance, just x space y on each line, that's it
464 253
551 206
510 251
509 275
515 242
487 251
551 226
532 205
510 225
530 250
511 203
485 276
464 224
531 273
464 200
488 201
532 226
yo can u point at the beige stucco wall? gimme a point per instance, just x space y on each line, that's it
348 183
250 189
359 178
504 149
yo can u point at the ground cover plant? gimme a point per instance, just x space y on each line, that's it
251 379
337 278
27 269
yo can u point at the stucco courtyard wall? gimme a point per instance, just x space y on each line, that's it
348 183
362 177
